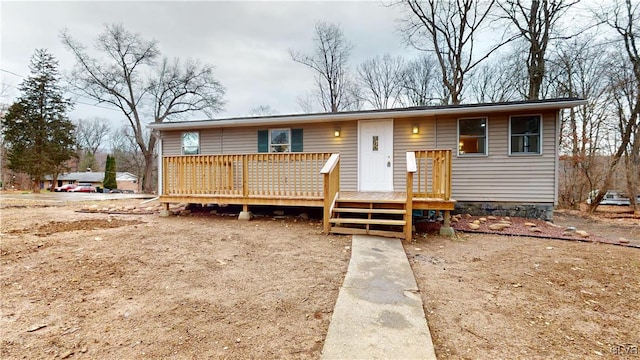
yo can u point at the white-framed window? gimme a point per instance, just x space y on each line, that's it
279 140
472 136
190 143
525 135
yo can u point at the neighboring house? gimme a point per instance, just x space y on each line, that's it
125 180
499 158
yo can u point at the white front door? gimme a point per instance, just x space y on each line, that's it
375 155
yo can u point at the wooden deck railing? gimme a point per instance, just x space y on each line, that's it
432 177
331 179
278 175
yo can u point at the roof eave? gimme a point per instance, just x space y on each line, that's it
337 117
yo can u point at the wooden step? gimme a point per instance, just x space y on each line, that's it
370 211
367 221
358 231
369 201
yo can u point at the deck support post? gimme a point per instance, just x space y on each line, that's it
446 229
245 214
165 210
408 227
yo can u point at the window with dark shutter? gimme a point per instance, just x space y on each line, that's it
280 140
263 141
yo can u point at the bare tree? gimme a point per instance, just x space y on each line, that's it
133 79
499 80
582 67
449 29
419 82
329 61
535 21
380 79
126 151
91 134
624 18
262 110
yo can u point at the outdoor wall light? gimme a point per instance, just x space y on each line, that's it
336 132
415 129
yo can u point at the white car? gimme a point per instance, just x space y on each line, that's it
612 197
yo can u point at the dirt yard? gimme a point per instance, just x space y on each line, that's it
81 285
512 297
96 285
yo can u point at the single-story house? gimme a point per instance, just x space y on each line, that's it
125 180
492 158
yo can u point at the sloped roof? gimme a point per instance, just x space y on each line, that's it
461 109
92 177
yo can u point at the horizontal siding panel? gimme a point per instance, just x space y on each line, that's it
404 140
171 143
320 138
242 140
211 141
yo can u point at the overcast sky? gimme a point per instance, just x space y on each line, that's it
247 42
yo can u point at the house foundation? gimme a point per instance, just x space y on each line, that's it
542 211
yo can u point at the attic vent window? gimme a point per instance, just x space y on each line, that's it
191 143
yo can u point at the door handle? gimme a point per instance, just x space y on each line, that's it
388 163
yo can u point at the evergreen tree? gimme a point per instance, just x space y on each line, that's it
37 132
110 173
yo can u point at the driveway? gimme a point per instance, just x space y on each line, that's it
67 196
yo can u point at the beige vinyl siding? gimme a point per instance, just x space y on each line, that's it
404 140
210 141
171 143
319 138
240 140
498 176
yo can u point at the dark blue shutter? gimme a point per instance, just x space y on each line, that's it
263 141
296 140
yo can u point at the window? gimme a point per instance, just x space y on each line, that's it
191 143
526 134
472 136
280 140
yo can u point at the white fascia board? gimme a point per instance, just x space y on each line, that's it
337 117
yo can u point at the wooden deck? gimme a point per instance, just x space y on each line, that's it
419 203
373 196
310 179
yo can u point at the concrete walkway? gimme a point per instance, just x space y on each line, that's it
379 313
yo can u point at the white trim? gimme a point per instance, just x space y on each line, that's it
269 140
541 140
556 144
364 115
486 136
160 154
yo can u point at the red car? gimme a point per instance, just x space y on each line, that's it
65 188
83 188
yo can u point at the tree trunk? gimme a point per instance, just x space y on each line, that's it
147 177
36 186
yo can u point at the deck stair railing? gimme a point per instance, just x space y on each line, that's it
432 176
